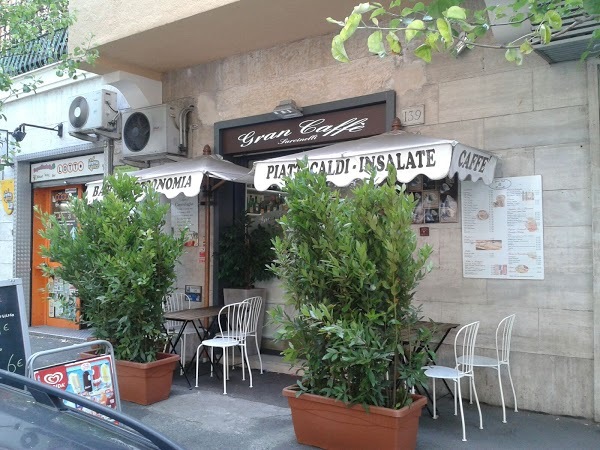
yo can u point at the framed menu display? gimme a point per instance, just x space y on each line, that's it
436 199
502 229
184 213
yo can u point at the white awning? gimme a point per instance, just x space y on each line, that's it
93 190
411 154
185 177
182 177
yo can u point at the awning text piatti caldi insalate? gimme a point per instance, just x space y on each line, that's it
405 160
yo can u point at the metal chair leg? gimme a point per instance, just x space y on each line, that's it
512 386
498 368
435 416
472 381
462 415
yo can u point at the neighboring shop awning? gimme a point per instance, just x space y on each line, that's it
182 177
185 177
411 154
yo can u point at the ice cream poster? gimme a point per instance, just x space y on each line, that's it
90 378
7 188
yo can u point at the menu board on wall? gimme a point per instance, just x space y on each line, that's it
502 229
184 213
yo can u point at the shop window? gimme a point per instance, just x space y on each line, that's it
265 207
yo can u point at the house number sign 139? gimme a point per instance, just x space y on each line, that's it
415 115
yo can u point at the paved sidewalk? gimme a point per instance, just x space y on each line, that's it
259 418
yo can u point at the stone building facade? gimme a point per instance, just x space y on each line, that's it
539 118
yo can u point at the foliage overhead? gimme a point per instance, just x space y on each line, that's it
445 25
120 261
349 267
22 24
245 251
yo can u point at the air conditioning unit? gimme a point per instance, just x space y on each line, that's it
570 45
93 111
151 133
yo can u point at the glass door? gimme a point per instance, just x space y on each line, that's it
54 302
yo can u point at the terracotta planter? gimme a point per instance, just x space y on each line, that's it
149 382
327 423
144 383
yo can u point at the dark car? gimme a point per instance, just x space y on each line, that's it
37 418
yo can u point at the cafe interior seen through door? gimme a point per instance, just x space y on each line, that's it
54 302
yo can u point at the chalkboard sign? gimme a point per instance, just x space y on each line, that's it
14 334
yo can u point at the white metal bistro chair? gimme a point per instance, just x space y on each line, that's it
234 322
255 310
177 301
464 347
503 336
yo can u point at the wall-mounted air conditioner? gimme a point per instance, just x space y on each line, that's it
93 111
574 39
151 133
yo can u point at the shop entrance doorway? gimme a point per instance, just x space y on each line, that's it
54 302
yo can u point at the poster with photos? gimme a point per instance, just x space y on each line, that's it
437 200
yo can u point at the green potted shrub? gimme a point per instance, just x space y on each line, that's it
349 265
122 264
244 253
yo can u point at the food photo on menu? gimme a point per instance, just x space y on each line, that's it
531 224
488 244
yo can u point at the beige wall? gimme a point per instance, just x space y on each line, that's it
535 117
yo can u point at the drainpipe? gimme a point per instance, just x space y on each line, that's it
183 128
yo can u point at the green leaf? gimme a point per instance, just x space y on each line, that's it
334 21
554 20
518 4
413 29
591 6
445 30
456 12
394 43
350 26
424 52
395 23
362 8
514 55
419 7
545 33
395 3
526 48
338 51
375 43
378 12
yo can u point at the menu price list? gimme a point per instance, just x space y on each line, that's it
503 229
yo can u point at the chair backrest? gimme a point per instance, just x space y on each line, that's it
234 320
175 301
255 307
464 347
503 336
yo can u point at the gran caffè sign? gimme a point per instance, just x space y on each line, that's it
307 131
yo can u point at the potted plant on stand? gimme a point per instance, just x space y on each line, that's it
349 266
122 264
244 253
